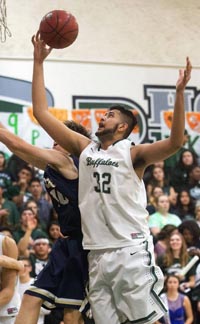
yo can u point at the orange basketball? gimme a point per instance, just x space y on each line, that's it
58 29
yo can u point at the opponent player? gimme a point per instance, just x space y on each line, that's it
124 281
62 282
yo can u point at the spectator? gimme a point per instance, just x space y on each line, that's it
179 305
194 182
191 233
27 231
197 212
39 256
171 162
24 177
162 216
163 239
31 203
14 194
5 178
8 209
25 280
159 179
44 206
185 206
180 175
53 231
155 192
14 165
175 258
195 296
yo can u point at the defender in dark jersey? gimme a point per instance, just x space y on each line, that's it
62 282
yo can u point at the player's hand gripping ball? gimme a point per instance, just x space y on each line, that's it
58 29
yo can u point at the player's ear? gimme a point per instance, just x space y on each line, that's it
122 127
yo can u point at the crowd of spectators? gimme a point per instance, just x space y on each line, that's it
173 203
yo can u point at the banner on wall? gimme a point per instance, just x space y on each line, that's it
192 125
27 127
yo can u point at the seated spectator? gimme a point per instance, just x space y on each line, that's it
14 165
14 194
162 216
175 258
24 177
8 209
159 179
31 203
40 255
179 305
162 239
185 206
171 162
195 296
155 192
5 178
25 280
44 206
191 233
194 182
27 231
197 212
180 174
53 231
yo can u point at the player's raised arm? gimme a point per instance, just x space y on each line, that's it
160 150
68 139
31 154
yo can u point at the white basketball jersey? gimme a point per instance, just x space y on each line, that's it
12 307
112 199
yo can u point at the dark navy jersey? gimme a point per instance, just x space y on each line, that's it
64 195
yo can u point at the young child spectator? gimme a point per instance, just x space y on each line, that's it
162 216
185 206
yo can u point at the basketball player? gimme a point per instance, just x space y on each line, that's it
9 296
62 281
124 280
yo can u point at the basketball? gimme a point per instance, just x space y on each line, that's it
58 29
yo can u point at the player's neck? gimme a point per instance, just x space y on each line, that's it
106 142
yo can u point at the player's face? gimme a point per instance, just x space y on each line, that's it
109 123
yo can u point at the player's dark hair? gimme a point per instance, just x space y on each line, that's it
78 128
129 118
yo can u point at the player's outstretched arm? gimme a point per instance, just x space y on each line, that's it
10 263
68 139
38 157
160 150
